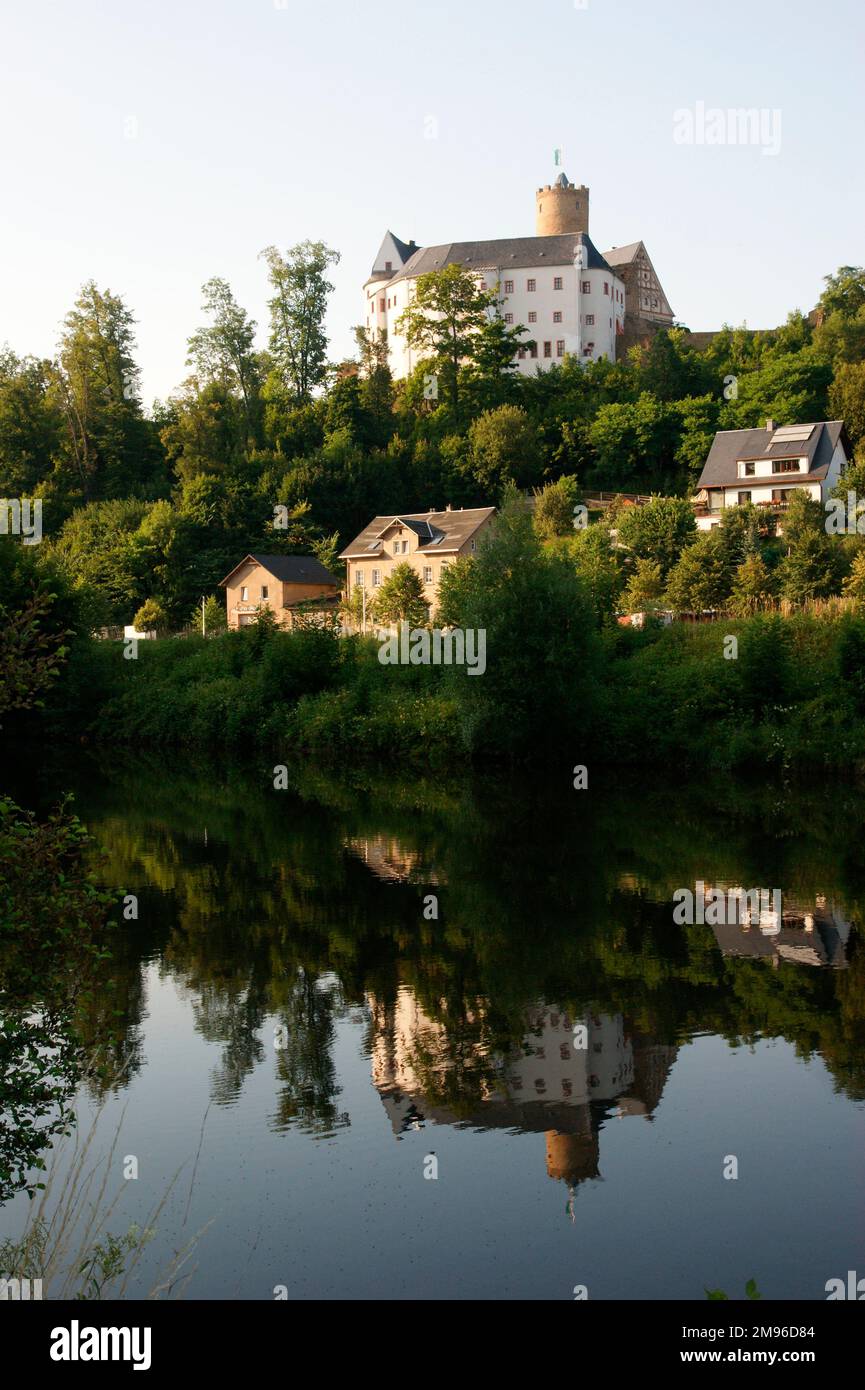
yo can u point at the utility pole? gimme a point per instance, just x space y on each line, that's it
203 623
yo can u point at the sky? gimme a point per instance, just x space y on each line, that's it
152 145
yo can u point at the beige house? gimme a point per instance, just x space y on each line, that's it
289 585
428 541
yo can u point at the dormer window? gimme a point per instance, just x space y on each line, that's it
388 265
747 468
785 466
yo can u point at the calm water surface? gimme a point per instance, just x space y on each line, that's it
309 1040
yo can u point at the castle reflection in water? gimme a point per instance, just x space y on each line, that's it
546 1086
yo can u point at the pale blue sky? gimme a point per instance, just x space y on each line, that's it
152 145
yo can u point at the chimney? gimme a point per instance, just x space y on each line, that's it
770 426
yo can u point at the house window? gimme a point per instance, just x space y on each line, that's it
533 317
531 286
557 316
244 594
388 265
427 574
548 349
749 469
606 287
376 578
474 545
785 465
521 354
264 591
590 320
509 318
404 547
358 579
560 347
743 498
533 349
396 547
558 282
587 287
509 287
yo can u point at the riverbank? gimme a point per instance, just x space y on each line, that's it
786 692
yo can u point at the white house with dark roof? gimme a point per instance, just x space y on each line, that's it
427 541
556 285
766 466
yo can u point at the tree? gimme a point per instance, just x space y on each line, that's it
844 292
110 445
448 321
554 509
298 344
595 562
847 400
811 568
401 598
700 579
543 654
645 588
503 447
215 618
854 584
151 617
223 353
658 531
753 587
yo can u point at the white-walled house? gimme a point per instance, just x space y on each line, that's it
766 466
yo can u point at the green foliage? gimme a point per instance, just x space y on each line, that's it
658 531
401 598
701 577
554 508
645 587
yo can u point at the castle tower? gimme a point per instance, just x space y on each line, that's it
561 208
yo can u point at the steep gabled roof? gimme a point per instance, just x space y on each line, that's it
392 251
729 447
289 569
511 253
442 531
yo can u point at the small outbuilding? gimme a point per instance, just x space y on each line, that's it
288 585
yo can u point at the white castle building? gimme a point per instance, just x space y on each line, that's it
556 285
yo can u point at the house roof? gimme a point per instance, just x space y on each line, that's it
731 446
440 531
509 253
622 255
290 569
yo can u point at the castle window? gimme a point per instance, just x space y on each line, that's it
533 349
521 354
557 316
509 318
558 283
606 287
548 349
509 287
587 287
533 317
381 306
590 320
560 347
531 286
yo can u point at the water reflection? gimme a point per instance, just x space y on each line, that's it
294 910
